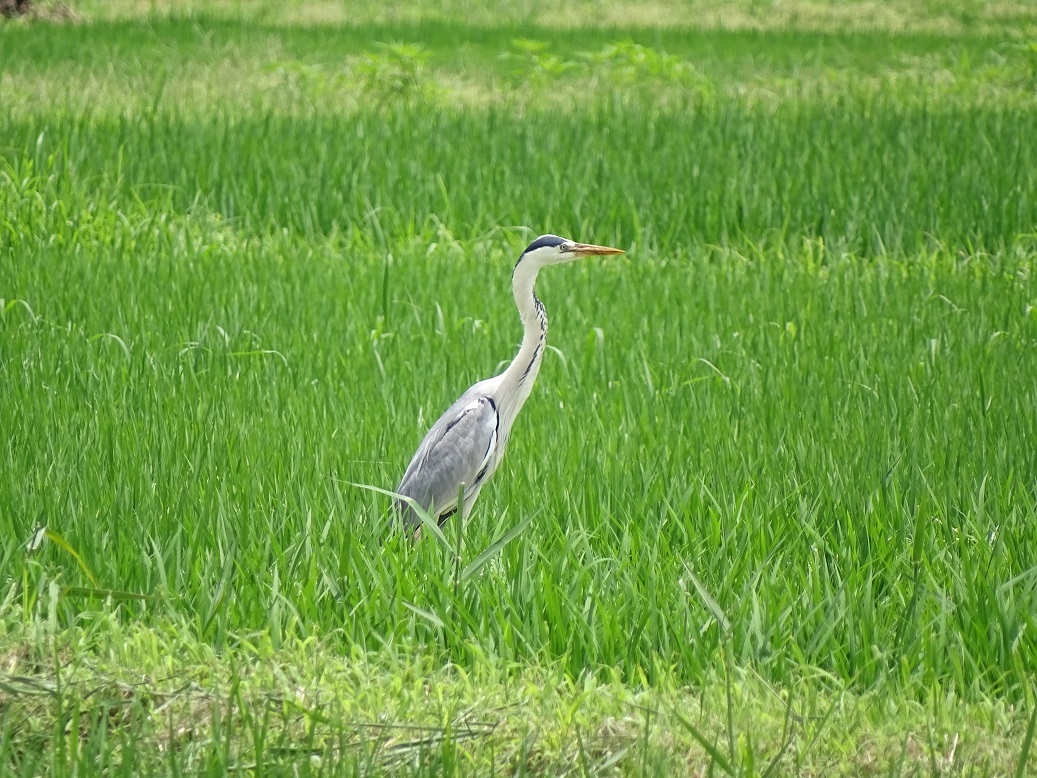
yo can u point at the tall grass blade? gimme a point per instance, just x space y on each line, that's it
494 548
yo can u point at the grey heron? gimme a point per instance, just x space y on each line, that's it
466 443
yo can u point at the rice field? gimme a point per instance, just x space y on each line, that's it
770 508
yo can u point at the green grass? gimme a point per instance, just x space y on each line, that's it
1004 18
785 446
98 701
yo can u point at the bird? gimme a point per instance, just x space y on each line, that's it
467 443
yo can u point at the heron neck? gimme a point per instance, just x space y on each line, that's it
522 371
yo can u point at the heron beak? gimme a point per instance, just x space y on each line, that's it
587 249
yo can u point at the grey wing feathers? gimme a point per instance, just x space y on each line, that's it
456 450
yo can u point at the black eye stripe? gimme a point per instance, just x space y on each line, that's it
544 240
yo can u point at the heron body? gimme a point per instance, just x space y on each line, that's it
467 443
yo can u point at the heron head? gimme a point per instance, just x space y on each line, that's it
553 250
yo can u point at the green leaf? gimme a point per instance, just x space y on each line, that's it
427 520
1024 751
494 548
45 532
711 748
429 616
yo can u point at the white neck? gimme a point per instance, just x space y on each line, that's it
522 372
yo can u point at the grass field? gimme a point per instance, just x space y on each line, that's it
776 486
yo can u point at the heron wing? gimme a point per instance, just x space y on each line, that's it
457 450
